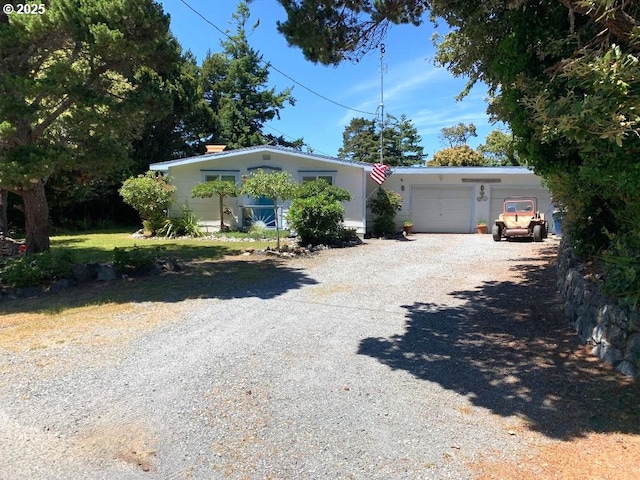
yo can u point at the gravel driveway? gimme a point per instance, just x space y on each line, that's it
360 363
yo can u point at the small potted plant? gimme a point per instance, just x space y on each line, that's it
481 226
408 227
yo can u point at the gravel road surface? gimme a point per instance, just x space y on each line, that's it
358 363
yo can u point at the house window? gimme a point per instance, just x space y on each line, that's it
311 178
225 177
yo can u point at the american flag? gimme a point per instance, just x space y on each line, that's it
380 173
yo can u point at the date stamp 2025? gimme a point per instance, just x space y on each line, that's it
24 9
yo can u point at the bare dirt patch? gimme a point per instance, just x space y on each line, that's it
598 456
129 443
592 424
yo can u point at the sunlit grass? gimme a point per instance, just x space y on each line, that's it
98 247
202 275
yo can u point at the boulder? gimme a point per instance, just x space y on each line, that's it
81 273
627 368
59 285
106 273
633 347
609 355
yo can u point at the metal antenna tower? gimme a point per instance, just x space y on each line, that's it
382 70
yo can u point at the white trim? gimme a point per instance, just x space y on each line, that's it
164 166
364 202
483 171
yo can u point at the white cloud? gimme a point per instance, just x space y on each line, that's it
414 76
401 84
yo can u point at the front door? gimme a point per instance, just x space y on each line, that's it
263 212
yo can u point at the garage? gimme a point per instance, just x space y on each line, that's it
498 194
441 209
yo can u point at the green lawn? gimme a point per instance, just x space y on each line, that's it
98 247
203 278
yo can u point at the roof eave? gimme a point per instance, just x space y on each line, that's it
164 166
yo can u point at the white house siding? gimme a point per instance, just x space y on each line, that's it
454 199
437 199
186 176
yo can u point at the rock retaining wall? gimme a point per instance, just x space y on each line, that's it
612 329
88 272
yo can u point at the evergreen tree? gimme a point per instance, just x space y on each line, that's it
76 84
361 142
78 199
402 142
234 83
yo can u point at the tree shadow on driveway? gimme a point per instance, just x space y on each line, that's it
509 348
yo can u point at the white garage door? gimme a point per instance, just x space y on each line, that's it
498 194
441 209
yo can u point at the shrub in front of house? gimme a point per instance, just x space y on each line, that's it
316 220
36 269
349 235
384 225
317 214
183 225
385 206
151 196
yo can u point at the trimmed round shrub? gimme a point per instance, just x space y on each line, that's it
317 214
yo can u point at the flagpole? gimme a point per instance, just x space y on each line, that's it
381 106
371 195
382 52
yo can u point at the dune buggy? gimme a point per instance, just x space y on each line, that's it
520 218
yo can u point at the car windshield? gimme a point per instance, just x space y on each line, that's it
518 206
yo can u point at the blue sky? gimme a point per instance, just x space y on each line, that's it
412 84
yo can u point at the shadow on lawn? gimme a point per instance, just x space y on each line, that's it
164 247
509 349
224 279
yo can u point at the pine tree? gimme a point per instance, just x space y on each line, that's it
76 84
361 142
235 84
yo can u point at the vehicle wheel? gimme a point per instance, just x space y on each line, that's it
537 233
496 232
545 230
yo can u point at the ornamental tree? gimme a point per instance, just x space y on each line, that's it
219 188
277 186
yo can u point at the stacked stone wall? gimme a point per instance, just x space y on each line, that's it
611 328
